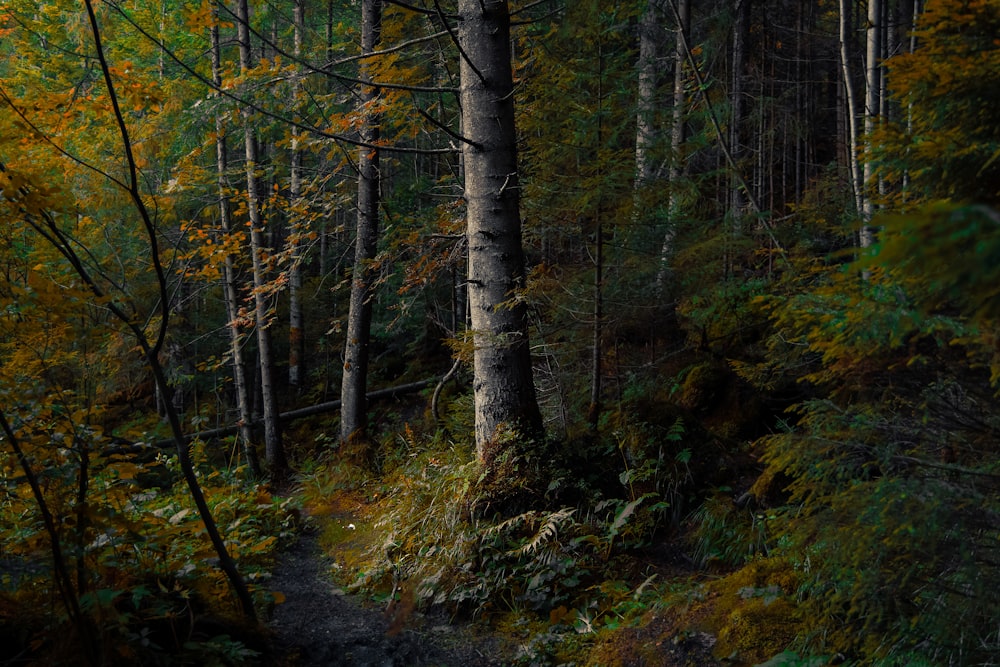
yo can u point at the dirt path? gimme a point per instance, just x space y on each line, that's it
318 625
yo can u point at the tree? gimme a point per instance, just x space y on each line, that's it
229 274
504 392
353 417
296 332
274 452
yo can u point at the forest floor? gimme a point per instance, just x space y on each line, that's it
319 624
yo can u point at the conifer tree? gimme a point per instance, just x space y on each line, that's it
503 387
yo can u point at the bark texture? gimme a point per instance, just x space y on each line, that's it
353 413
296 321
229 276
503 387
274 452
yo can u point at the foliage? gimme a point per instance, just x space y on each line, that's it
945 143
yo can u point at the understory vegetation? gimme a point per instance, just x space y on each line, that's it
763 424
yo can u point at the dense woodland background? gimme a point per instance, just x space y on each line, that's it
709 362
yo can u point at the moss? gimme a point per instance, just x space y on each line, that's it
758 629
755 614
702 386
663 639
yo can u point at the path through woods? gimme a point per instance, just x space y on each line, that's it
318 625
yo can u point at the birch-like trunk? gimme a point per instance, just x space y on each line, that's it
274 452
648 74
873 96
504 391
230 292
353 411
677 136
853 158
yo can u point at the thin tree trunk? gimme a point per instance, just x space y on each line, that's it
296 329
230 293
852 107
504 392
873 96
677 135
737 196
353 414
597 333
274 452
650 40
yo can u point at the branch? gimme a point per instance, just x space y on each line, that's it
458 44
310 129
723 144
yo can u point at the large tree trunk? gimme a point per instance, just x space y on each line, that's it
274 452
230 293
353 413
503 388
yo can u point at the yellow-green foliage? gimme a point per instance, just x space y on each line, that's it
755 614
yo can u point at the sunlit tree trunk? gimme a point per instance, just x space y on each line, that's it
504 392
274 452
296 328
353 417
230 293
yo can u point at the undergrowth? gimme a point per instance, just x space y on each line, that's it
146 578
419 540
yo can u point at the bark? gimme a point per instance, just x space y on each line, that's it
353 413
274 452
597 331
677 136
504 392
873 96
852 107
230 293
650 40
296 330
737 92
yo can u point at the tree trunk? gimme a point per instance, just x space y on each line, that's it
353 417
230 294
274 452
852 107
597 332
650 40
737 195
677 135
504 392
296 335
873 96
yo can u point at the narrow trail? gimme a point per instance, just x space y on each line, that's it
318 625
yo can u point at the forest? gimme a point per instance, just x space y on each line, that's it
650 332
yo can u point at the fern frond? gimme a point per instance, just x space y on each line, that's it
547 534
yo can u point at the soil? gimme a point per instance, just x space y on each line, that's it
319 625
